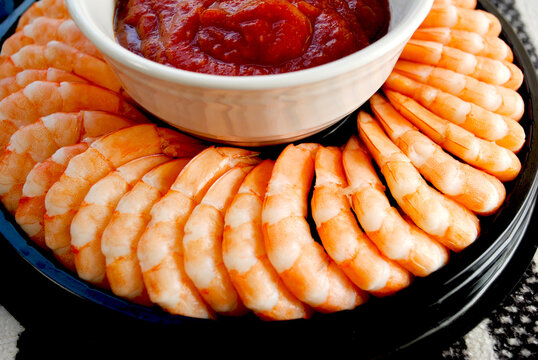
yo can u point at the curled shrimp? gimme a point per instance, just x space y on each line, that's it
480 45
44 29
396 237
42 98
31 210
485 155
60 56
119 241
478 191
474 20
491 71
160 248
245 258
55 9
202 245
450 223
15 83
485 124
302 263
498 99
95 212
103 156
467 4
34 143
341 236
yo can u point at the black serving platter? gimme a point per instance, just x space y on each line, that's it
64 315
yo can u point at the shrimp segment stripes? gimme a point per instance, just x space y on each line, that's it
301 262
341 236
58 55
34 143
498 99
244 255
95 212
55 9
478 191
119 241
396 237
103 156
485 124
448 222
31 210
42 98
202 245
160 248
485 155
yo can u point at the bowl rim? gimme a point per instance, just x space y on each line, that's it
114 51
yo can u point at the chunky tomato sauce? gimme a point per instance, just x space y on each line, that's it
248 37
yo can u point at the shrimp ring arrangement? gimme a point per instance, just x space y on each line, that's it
161 219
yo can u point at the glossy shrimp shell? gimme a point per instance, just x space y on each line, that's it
302 263
50 8
244 255
342 237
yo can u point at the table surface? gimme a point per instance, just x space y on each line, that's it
509 332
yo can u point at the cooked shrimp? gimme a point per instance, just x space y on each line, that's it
492 71
15 83
448 15
44 29
50 8
450 223
35 142
478 191
42 98
341 236
60 56
119 241
485 124
485 155
202 245
480 45
395 237
468 4
95 212
244 255
31 210
160 249
103 156
498 99
301 262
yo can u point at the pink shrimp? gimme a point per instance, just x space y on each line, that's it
160 248
15 83
42 98
485 124
491 71
480 192
31 210
119 241
467 4
448 15
396 237
35 142
485 155
244 255
103 156
50 8
341 236
473 43
302 263
44 29
202 245
95 212
498 99
450 223
60 56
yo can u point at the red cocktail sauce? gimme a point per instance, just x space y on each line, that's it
248 37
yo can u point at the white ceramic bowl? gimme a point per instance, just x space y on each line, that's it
252 110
